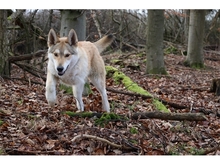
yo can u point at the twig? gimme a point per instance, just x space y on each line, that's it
11 151
210 150
100 139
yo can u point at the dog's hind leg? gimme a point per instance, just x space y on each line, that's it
77 93
99 83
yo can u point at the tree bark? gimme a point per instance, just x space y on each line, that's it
154 50
186 25
73 19
195 57
4 63
215 87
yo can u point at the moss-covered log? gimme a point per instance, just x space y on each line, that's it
132 86
105 117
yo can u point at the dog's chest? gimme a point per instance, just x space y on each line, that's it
73 77
69 78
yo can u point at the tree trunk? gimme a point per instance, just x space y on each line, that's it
73 19
186 26
195 57
4 63
154 50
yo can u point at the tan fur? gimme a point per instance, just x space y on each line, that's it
72 62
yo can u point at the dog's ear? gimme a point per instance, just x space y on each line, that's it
52 38
72 38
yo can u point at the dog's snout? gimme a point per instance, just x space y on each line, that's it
60 69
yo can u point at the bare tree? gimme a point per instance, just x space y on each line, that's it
4 63
195 41
154 50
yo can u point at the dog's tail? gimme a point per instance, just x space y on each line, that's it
104 42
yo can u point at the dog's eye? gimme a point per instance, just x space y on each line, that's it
67 55
55 54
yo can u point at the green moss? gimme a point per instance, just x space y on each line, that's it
133 130
120 77
87 90
20 102
1 122
160 106
197 65
142 54
31 117
133 141
128 83
117 62
107 117
171 50
194 151
161 71
67 89
79 114
194 65
2 152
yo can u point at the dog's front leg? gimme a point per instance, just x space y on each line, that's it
77 92
51 89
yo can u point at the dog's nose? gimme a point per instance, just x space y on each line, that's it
60 68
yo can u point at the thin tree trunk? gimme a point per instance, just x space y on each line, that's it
186 26
195 41
4 63
155 29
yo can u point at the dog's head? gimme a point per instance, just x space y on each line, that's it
62 51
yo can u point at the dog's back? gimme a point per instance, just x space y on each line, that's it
93 50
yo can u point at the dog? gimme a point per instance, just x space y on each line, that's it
72 62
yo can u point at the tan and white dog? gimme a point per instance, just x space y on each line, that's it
72 62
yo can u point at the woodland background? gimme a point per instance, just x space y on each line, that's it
135 127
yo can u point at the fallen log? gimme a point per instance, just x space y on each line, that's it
145 115
37 54
170 116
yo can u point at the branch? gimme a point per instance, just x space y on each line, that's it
98 138
170 116
37 54
31 71
94 17
148 97
12 151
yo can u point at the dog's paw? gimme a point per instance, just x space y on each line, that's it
51 104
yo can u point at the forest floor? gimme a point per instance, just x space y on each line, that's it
28 126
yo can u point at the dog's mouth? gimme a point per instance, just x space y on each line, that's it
61 71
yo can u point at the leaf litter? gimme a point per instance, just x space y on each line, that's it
30 127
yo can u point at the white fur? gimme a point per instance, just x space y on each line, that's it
85 62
